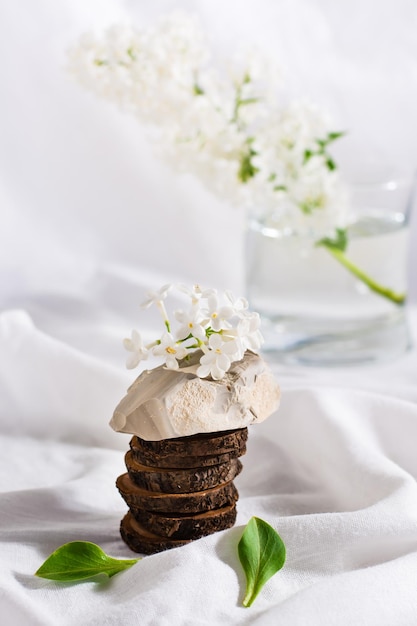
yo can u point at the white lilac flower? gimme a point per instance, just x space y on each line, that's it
156 297
135 346
239 305
191 323
195 292
170 350
218 315
248 331
220 355
229 128
222 332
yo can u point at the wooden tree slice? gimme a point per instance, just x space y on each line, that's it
191 526
178 462
164 480
197 502
140 540
191 451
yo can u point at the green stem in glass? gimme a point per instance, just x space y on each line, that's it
397 298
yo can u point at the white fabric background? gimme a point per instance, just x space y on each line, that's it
90 219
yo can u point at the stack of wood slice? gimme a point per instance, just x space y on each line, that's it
178 490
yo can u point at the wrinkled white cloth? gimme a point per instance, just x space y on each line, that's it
333 471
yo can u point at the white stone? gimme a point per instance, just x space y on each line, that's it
163 403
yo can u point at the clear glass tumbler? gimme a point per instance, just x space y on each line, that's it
324 306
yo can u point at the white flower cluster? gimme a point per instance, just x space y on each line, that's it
219 325
228 127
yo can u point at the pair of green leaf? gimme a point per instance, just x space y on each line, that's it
261 553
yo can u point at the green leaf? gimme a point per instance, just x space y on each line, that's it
245 101
131 53
197 90
335 135
323 143
79 560
262 554
339 242
307 155
321 151
331 165
247 170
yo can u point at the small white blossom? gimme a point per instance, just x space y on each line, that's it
239 305
248 331
138 351
170 350
217 314
217 360
218 324
191 323
196 292
156 297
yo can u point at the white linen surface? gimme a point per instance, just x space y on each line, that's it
333 471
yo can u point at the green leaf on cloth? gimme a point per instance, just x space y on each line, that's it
79 560
262 554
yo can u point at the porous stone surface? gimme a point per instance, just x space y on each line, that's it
164 404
